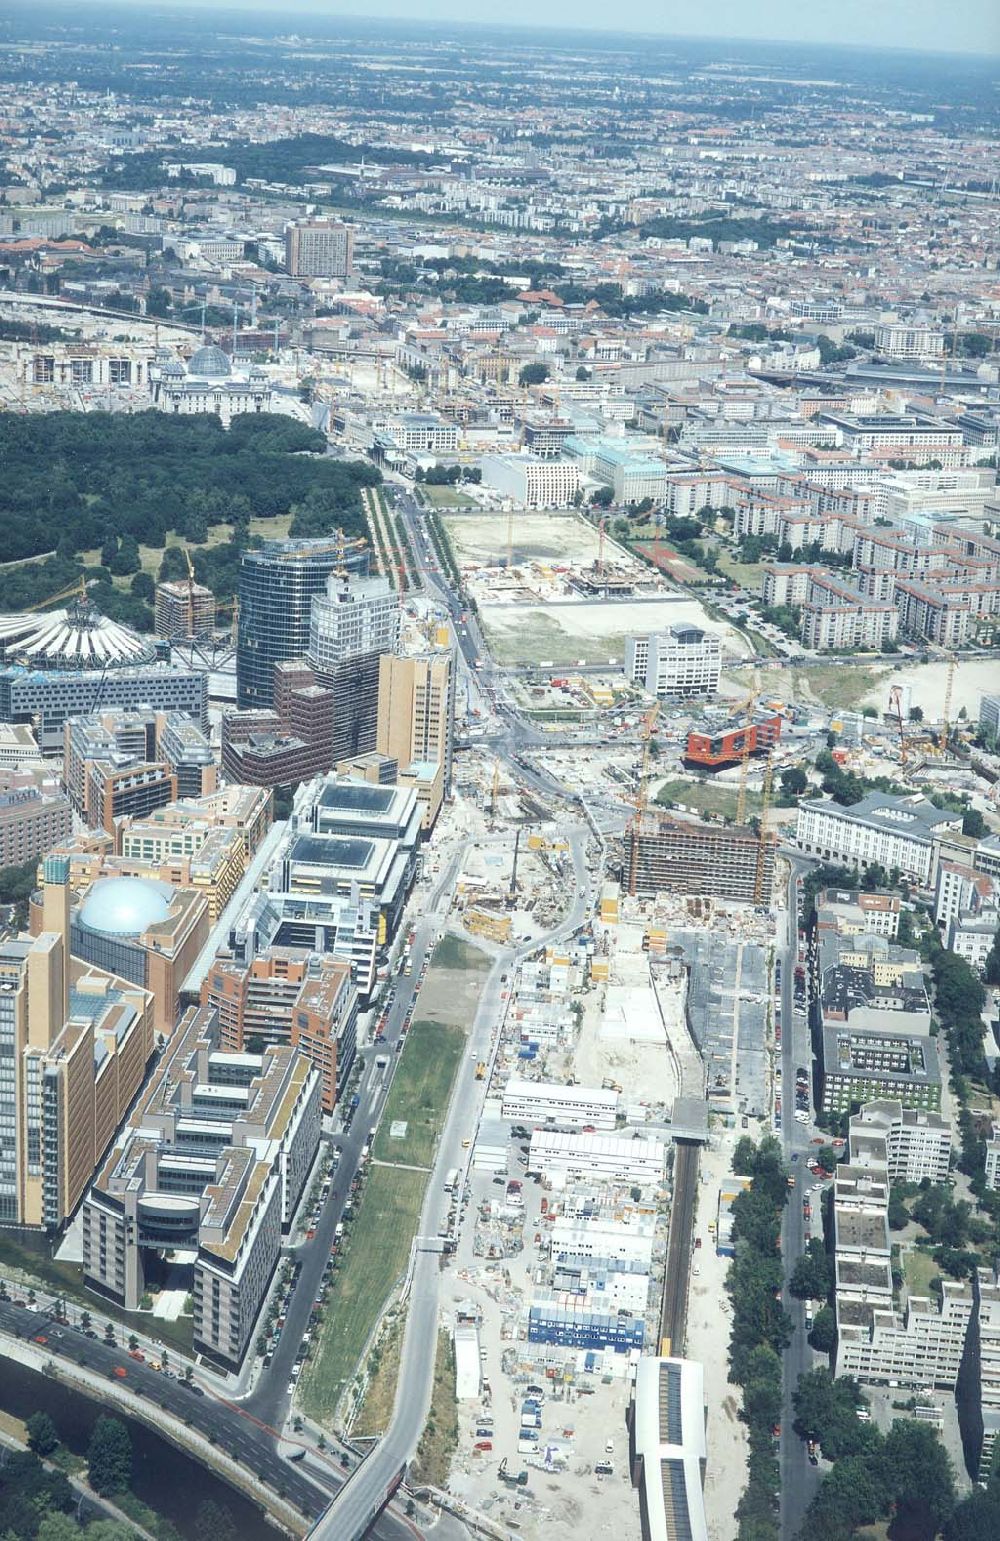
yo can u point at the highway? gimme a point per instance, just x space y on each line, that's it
799 1480
229 1429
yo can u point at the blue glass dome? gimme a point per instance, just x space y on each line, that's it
124 906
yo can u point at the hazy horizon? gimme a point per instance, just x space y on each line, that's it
963 26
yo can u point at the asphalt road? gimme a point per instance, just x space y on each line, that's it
226 1425
799 1480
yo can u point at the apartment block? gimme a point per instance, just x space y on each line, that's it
319 248
911 1143
32 821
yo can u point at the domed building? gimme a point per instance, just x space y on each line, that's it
76 638
125 906
137 928
209 383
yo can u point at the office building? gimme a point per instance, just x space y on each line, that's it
853 912
530 481
890 832
416 720
668 1450
278 583
667 855
288 995
32 821
867 1066
338 877
120 764
184 610
730 744
319 248
211 1168
989 714
46 698
74 1045
351 626
680 663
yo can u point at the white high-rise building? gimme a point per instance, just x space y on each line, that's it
679 663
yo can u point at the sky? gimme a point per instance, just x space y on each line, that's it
968 26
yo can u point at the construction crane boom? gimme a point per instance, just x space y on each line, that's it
946 712
763 833
896 704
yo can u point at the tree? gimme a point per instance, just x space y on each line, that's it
109 1457
602 498
43 1436
916 714
794 781
143 587
973 824
823 1335
126 558
213 1522
533 374
976 1518
827 1158
919 1478
582 372
812 1276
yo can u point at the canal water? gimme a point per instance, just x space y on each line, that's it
167 1479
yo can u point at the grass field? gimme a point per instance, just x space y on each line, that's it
839 685
445 497
748 575
919 1268
453 952
383 1373
374 1259
706 797
420 1091
150 557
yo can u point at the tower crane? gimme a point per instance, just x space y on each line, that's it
764 837
741 795
638 817
946 711
896 705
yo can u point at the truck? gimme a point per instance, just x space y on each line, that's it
480 1070
451 1180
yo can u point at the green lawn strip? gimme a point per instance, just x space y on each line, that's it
372 1261
455 953
420 1091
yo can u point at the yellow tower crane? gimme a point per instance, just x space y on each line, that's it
764 836
741 795
641 794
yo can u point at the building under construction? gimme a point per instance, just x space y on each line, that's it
664 855
731 743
